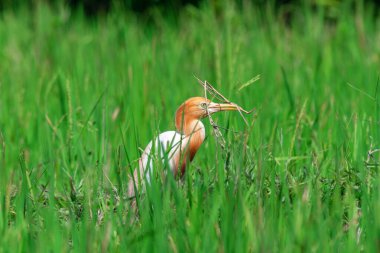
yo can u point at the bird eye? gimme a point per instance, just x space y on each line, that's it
204 105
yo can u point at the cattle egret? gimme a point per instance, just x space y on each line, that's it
177 148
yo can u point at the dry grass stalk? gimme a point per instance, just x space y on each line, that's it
208 88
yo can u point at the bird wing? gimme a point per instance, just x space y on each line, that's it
167 146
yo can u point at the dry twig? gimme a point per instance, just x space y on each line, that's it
208 88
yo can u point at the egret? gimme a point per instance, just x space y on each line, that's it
177 148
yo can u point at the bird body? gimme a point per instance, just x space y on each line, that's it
168 146
177 148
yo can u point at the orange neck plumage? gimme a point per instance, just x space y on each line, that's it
192 128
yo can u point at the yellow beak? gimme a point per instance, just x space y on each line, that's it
215 107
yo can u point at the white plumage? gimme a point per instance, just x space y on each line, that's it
168 147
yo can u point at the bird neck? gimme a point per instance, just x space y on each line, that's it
194 132
191 127
187 124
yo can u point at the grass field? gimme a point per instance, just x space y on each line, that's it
79 98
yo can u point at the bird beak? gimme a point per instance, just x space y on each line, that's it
215 107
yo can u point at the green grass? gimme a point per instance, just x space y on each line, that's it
299 180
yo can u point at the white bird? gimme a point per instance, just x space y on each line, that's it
177 148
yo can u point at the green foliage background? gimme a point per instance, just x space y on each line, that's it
79 98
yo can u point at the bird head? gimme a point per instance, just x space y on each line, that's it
196 108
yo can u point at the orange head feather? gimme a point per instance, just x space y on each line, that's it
197 108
